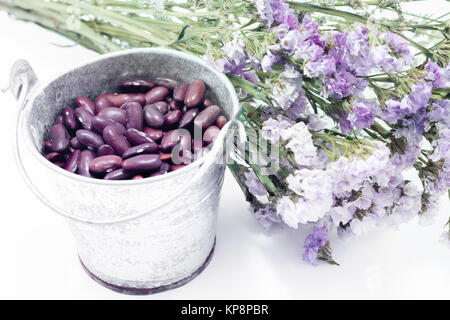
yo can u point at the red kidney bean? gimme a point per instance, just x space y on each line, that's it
115 152
89 139
166 82
84 102
48 145
155 134
172 138
100 123
207 117
101 103
188 117
180 91
59 120
72 162
162 106
115 114
69 118
118 174
211 134
172 117
60 138
156 94
165 156
195 94
174 167
115 139
175 105
105 150
144 162
59 164
84 117
141 149
118 99
138 85
136 137
75 143
105 164
86 156
138 177
153 117
54 156
221 121
134 116
207 103
165 167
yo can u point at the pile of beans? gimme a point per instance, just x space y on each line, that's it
149 129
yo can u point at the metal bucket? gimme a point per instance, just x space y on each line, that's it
136 236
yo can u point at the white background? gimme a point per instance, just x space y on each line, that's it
38 256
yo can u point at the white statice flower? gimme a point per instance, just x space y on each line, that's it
289 94
287 209
265 11
301 144
411 189
341 214
272 128
445 239
359 227
314 189
317 123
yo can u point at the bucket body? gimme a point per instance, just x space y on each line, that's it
137 236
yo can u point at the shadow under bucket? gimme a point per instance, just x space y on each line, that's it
135 236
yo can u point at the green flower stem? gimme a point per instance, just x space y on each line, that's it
58 23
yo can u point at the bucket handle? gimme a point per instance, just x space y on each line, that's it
22 82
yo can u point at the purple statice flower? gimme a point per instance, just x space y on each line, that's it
441 146
440 77
440 112
400 47
379 56
278 11
412 131
363 114
309 27
419 98
324 66
254 186
313 242
283 14
267 217
397 43
344 123
341 84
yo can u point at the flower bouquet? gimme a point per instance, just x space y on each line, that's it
345 104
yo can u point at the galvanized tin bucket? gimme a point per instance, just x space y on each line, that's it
137 236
